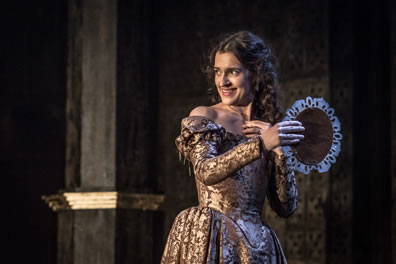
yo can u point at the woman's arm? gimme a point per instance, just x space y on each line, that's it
211 168
282 190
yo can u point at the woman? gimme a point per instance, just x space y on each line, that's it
234 148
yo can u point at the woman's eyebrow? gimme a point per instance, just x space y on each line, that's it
228 68
233 69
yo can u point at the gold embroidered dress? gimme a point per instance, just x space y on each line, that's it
232 177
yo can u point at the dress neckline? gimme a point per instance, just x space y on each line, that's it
235 135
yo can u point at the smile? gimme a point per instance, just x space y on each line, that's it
227 91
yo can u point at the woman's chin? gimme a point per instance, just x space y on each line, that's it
228 101
234 102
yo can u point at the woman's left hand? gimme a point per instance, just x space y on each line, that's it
284 129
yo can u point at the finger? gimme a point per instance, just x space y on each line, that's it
247 125
290 129
250 133
289 123
257 123
289 142
291 136
251 130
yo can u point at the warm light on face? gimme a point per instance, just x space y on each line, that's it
231 79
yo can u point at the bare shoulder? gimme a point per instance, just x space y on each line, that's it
204 111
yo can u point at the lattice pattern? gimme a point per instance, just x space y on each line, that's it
340 211
303 60
304 47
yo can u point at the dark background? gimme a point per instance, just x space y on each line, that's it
360 51
32 118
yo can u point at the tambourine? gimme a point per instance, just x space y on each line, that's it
322 136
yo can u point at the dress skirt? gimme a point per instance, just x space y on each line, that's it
205 235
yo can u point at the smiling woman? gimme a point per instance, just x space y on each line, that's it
234 147
231 79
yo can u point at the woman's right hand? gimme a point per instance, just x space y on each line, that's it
281 134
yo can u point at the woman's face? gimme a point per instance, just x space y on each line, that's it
231 79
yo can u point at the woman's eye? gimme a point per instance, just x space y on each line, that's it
217 72
235 72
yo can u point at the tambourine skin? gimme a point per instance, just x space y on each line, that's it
322 136
318 136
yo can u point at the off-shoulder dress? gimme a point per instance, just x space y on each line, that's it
233 176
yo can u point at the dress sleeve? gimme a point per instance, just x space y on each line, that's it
282 190
199 141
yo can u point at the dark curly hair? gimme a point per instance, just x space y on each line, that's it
256 56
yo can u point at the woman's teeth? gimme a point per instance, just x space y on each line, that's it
227 92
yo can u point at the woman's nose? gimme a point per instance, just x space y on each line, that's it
225 81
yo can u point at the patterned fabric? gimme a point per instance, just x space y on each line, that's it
233 176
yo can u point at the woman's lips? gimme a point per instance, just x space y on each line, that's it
227 91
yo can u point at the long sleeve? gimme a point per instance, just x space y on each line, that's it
211 168
282 190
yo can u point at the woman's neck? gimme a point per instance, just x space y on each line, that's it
244 111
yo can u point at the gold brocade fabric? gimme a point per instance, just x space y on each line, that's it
233 176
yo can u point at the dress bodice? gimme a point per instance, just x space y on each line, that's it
243 190
233 174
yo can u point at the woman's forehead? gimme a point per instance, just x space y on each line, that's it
226 60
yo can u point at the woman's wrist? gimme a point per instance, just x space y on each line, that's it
266 147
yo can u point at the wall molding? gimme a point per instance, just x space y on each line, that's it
103 200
